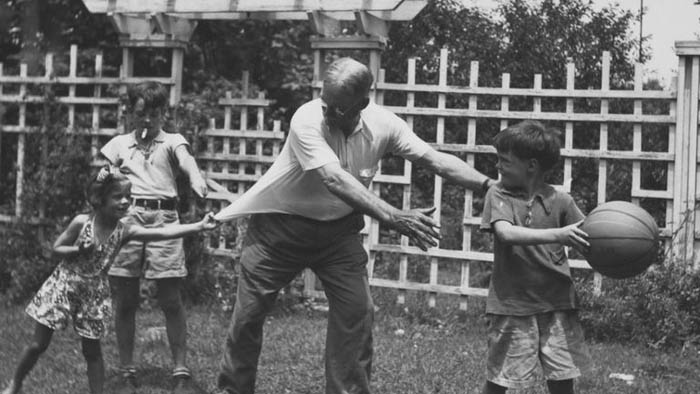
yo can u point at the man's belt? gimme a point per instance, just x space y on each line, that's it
170 204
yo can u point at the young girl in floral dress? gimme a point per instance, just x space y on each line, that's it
78 289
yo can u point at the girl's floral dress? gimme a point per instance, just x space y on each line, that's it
78 288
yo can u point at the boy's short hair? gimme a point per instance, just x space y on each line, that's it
153 93
530 139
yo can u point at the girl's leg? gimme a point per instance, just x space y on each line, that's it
29 357
493 388
95 364
561 386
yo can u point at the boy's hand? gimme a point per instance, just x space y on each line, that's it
573 236
85 248
209 223
199 186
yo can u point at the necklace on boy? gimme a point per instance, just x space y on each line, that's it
146 149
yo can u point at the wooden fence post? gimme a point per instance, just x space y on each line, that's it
684 192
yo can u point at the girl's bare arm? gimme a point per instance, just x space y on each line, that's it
64 245
172 231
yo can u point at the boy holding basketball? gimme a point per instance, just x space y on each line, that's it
531 303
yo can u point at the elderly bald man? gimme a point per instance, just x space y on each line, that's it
308 212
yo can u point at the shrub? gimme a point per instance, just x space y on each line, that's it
54 182
26 261
660 308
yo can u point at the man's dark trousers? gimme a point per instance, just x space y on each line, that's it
276 249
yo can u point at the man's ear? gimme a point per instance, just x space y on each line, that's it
533 165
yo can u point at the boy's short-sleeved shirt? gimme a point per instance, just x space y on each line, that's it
152 171
290 186
530 279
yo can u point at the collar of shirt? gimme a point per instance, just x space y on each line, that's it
160 137
545 194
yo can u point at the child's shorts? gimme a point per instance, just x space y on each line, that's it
154 259
517 344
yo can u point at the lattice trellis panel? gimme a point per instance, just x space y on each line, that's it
238 153
88 95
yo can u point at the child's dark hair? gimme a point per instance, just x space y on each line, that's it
103 183
530 139
153 93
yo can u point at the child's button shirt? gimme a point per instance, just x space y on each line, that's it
151 169
529 279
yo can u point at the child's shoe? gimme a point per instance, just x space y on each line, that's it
128 381
183 381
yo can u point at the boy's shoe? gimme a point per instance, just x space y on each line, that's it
128 381
183 381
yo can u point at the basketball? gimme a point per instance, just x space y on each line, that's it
623 237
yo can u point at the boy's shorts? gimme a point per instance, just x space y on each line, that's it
518 343
155 259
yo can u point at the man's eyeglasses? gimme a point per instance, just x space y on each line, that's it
337 113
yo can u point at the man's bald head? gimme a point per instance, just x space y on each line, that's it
349 77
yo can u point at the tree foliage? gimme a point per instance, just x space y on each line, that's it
31 28
521 38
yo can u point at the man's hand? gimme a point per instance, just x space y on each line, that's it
199 186
573 236
417 225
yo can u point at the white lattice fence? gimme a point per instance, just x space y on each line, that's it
88 95
450 268
237 153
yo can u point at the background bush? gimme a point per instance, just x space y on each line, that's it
660 308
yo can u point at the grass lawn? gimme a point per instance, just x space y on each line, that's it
435 353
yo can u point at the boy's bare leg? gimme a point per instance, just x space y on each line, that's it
170 302
493 388
125 292
561 386
126 299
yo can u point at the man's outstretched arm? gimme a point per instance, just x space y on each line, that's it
414 223
455 170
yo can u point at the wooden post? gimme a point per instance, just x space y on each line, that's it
2 115
176 75
603 146
155 31
125 71
43 163
684 192
21 140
